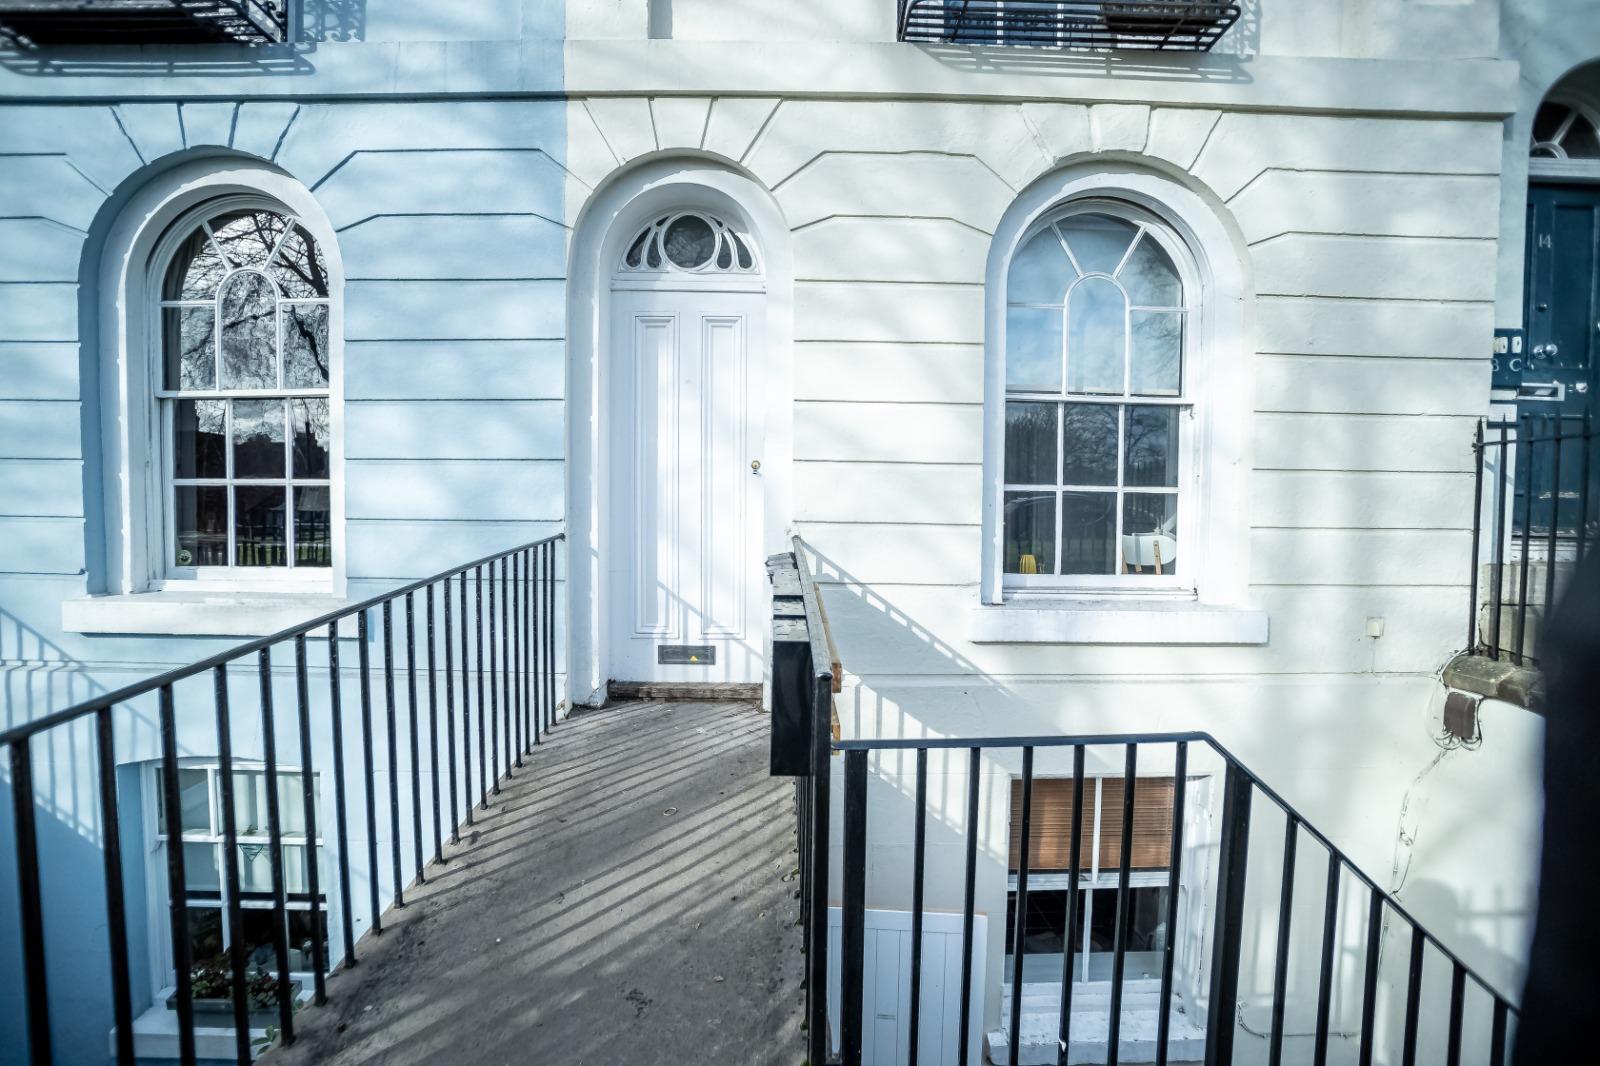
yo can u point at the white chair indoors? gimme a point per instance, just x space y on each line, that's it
1148 553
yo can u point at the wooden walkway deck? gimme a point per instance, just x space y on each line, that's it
628 899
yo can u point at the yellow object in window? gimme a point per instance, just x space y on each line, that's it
1027 565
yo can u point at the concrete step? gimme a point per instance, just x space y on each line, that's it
1091 1003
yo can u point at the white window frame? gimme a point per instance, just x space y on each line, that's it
135 441
1217 382
162 970
1565 169
170 575
1089 881
1117 582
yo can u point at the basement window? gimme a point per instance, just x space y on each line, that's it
1093 928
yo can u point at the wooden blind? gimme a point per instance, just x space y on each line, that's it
1050 829
1152 824
1050 832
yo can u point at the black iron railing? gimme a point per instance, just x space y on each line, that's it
812 807
56 22
1135 25
498 613
1534 520
1191 756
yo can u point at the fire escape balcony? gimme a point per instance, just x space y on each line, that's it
1079 25
48 23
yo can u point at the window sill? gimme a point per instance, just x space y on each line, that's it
155 1035
1078 621
195 614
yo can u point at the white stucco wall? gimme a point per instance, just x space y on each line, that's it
1369 240
1355 153
1360 29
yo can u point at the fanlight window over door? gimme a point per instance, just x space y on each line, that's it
245 397
1561 131
688 243
1097 451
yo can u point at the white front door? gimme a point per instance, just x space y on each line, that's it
683 552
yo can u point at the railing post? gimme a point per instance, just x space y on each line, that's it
919 847
341 816
1020 927
392 730
177 903
280 904
32 903
116 907
1130 780
433 725
243 1054
308 799
969 896
1180 777
1526 444
821 797
853 929
1227 936
1477 539
1502 531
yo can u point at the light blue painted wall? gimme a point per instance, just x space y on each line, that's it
449 218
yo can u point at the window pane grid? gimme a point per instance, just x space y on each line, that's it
1117 489
291 481
1127 359
263 369
206 892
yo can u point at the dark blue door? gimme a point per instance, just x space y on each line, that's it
1558 377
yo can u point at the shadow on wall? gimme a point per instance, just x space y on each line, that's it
319 21
333 20
37 677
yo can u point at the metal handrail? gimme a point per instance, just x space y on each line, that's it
194 669
516 699
813 809
1189 737
1226 935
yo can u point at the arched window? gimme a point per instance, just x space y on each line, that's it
244 394
1563 131
1096 472
688 243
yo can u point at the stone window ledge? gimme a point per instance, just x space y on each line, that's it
196 614
1079 621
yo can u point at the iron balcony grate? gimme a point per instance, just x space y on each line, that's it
35 23
1087 25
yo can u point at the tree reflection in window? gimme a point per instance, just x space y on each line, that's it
245 318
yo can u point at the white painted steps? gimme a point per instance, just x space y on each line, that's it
1091 1010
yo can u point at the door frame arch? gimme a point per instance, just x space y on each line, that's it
612 217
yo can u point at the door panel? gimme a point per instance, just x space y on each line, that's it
683 549
655 563
1558 374
1562 299
724 473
